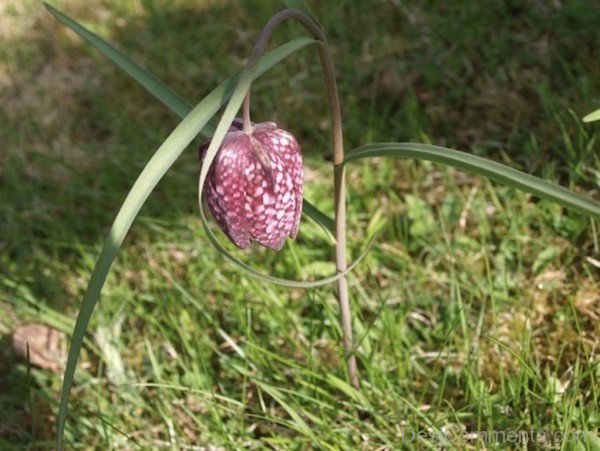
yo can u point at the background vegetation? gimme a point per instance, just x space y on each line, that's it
477 310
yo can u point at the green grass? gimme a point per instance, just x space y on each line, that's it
477 310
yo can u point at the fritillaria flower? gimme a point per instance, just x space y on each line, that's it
254 186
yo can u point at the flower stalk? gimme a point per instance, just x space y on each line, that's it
338 168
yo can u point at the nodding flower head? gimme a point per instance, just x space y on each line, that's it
254 185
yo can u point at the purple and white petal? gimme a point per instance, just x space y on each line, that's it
225 189
254 187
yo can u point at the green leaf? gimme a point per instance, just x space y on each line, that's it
593 116
320 218
161 91
483 167
175 102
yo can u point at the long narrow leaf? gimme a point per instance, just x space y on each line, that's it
483 167
143 77
173 100
155 169
320 218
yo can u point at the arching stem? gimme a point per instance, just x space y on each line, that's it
338 170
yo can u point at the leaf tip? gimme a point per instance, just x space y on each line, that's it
51 9
593 116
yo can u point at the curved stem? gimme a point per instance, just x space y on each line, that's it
338 171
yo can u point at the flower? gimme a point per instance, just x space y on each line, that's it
254 186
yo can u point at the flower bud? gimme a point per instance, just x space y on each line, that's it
254 185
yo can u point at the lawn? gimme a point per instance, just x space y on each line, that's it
477 310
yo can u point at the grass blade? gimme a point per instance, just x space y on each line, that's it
173 100
297 420
483 167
